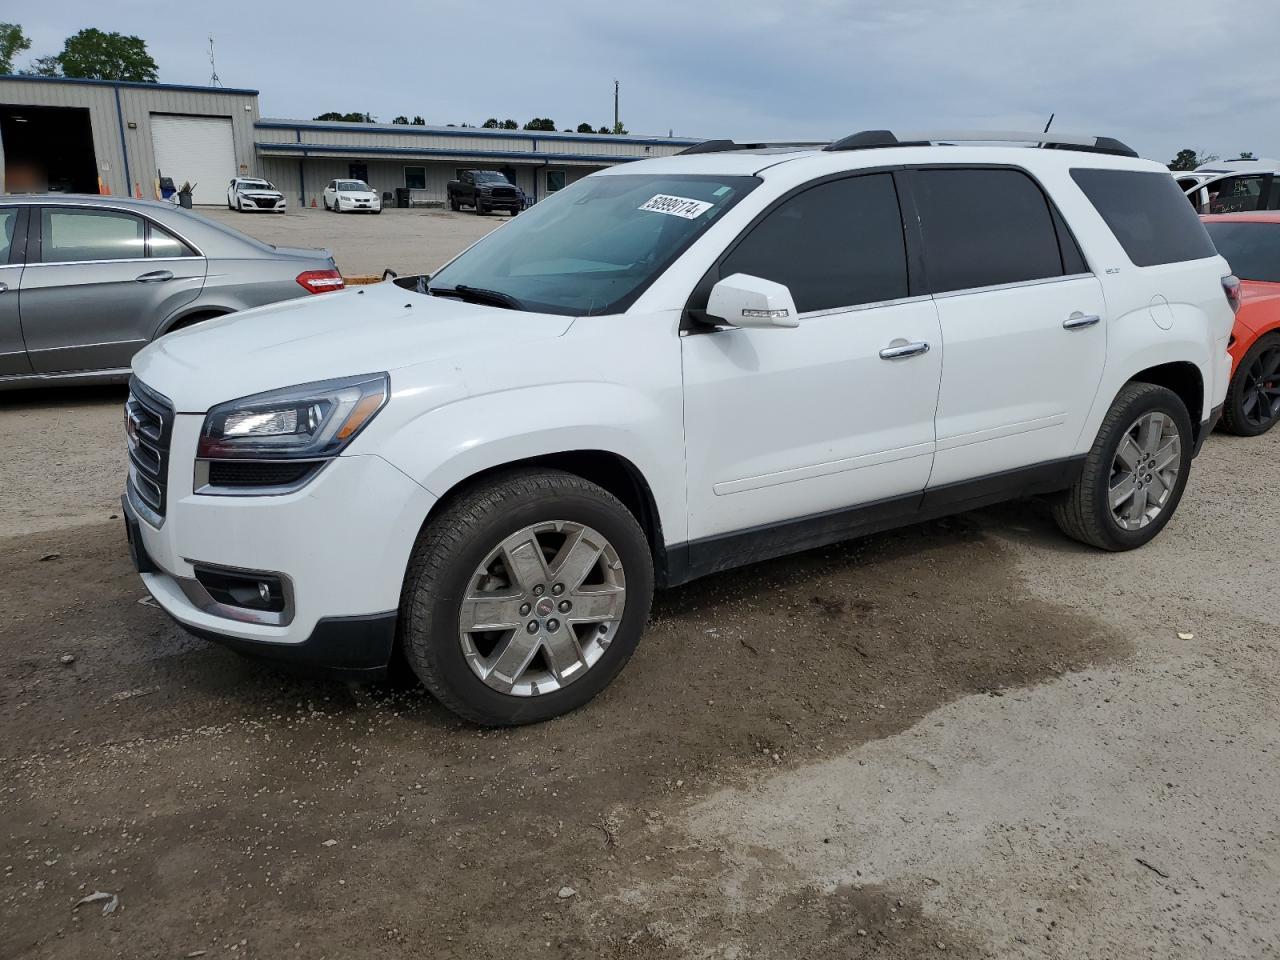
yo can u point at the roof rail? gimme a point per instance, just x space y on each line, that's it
723 146
872 139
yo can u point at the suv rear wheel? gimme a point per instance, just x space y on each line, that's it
1253 399
1134 475
525 597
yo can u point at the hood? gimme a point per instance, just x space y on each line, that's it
259 192
358 194
328 335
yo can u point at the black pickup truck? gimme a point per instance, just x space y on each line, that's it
485 190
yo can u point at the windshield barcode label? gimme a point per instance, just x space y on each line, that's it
676 206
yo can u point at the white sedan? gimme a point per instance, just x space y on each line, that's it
342 195
248 194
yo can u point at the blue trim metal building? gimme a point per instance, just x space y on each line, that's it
141 131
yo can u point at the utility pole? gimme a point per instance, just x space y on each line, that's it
617 123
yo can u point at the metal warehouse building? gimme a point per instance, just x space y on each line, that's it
99 136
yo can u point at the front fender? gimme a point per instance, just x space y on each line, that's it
446 445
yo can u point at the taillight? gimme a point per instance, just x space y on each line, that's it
1231 287
320 281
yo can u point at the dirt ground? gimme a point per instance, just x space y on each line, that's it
413 240
971 738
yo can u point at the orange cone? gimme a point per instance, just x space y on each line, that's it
137 190
313 202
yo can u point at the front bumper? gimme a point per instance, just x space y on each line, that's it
342 543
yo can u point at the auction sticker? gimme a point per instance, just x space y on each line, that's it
676 206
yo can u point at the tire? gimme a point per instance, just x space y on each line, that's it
449 561
454 205
1084 512
1252 405
480 210
324 203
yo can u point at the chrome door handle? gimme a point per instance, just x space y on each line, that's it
1078 321
155 276
905 350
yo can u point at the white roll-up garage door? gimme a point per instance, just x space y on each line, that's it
195 149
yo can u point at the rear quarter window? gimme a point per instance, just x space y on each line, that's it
1148 214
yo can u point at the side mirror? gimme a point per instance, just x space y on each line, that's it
746 301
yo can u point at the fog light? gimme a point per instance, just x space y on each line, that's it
248 590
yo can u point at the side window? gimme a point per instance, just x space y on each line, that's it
1147 213
1235 194
8 224
983 228
70 235
162 243
1273 193
837 244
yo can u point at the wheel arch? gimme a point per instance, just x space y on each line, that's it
606 468
187 317
1183 378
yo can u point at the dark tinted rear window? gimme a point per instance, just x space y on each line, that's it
1252 249
838 244
983 228
1148 214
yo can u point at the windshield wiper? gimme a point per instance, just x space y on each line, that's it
478 295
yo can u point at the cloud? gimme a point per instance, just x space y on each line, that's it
1159 75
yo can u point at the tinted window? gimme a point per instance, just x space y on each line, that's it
162 243
834 245
68 236
985 227
1252 249
1235 194
8 223
1147 213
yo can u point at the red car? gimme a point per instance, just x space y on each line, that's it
1251 244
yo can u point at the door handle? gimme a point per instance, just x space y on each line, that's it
155 276
1078 321
904 350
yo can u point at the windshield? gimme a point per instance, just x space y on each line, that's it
1252 249
488 176
353 186
255 185
594 247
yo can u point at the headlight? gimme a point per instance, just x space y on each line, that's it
311 421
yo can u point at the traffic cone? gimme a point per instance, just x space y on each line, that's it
137 190
313 201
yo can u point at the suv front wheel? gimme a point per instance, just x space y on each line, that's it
1134 475
525 597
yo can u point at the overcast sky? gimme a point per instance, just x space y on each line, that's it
1158 74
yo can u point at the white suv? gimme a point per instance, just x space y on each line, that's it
669 369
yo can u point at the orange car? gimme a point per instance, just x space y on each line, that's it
1251 244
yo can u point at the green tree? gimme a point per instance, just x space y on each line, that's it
419 122
586 128
490 124
43 67
510 125
401 120
94 55
1188 159
619 129
541 123
356 117
12 42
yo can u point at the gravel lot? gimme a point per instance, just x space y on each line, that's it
971 738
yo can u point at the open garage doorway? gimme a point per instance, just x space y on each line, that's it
47 149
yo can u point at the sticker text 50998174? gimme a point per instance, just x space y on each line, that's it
676 206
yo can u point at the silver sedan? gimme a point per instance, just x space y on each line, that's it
86 282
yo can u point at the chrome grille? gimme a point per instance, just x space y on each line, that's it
149 427
268 203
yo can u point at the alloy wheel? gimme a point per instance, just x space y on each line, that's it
542 608
1145 470
1260 398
